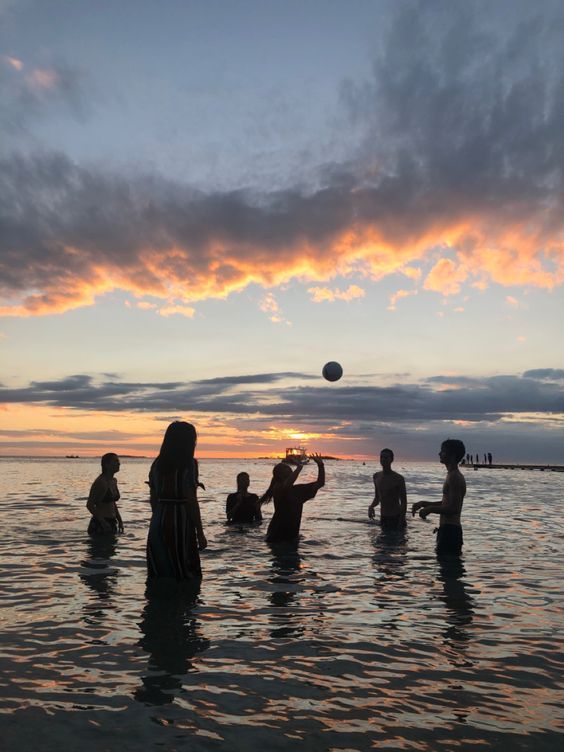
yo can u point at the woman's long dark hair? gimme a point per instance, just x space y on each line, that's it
279 475
177 449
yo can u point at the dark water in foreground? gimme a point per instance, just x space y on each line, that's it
357 640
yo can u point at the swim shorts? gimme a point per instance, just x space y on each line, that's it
449 539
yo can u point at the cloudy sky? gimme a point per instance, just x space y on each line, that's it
204 202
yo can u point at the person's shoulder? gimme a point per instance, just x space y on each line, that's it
455 477
377 475
398 476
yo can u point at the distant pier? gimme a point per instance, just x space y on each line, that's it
515 466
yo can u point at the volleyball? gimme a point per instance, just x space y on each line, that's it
332 371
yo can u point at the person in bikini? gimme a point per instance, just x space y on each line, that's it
104 494
449 533
390 493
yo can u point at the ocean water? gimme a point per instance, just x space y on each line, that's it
357 640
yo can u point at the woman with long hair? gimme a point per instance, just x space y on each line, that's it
176 535
289 499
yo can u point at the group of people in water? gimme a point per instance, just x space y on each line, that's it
176 535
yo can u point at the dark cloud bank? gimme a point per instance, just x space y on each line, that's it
416 415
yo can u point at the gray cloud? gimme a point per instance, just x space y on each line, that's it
553 374
474 400
462 137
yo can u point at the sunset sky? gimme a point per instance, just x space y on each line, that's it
201 203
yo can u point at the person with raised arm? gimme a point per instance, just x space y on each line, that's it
289 499
389 493
103 497
449 533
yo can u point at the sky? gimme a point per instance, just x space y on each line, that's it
202 203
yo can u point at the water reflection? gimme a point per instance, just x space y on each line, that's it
172 636
286 564
101 576
458 602
390 553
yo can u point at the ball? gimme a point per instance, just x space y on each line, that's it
332 371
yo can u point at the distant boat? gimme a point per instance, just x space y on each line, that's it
72 456
296 455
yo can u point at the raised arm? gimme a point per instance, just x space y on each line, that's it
320 482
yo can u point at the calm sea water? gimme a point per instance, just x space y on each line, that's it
356 641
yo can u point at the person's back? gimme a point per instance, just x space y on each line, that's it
289 500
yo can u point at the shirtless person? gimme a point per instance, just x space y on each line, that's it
102 499
390 493
449 535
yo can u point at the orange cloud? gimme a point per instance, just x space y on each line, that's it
398 296
13 62
173 310
269 305
190 248
445 277
43 78
325 294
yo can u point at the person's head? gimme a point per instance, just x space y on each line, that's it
179 445
110 462
386 458
452 451
280 473
243 481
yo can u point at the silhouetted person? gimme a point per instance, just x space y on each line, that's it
467 457
290 499
471 459
104 494
449 535
485 459
243 506
175 533
490 458
389 493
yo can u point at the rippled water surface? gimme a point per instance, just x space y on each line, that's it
356 640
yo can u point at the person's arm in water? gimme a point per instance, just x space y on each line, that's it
97 492
258 513
403 498
197 519
118 518
376 501
231 507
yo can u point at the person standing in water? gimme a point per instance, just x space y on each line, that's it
290 499
449 534
176 535
243 506
390 493
104 494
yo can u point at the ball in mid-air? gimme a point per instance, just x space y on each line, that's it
332 371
